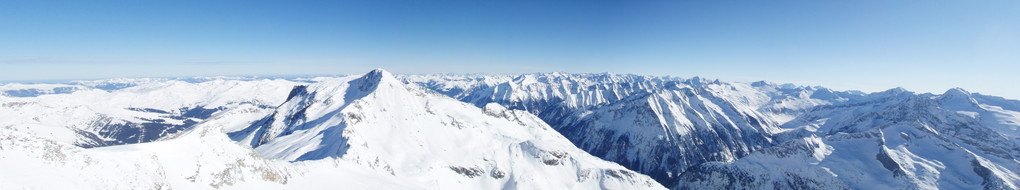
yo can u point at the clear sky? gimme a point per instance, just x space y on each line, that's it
870 45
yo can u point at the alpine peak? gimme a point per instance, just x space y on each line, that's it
371 80
956 91
378 74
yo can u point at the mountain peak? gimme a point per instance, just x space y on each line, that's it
378 74
760 83
374 78
824 94
897 90
956 91
958 97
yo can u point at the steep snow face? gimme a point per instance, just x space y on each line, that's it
888 140
125 111
659 126
415 134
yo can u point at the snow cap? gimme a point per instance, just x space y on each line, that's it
957 96
377 74
956 91
371 80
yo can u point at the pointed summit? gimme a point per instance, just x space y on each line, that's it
378 72
698 81
956 91
824 94
895 91
324 96
373 79
957 97
377 75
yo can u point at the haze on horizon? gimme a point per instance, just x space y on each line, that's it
867 45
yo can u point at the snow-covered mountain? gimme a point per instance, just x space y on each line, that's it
418 135
659 126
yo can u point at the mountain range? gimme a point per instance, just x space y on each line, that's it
492 131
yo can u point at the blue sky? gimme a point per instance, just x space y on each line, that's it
926 46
